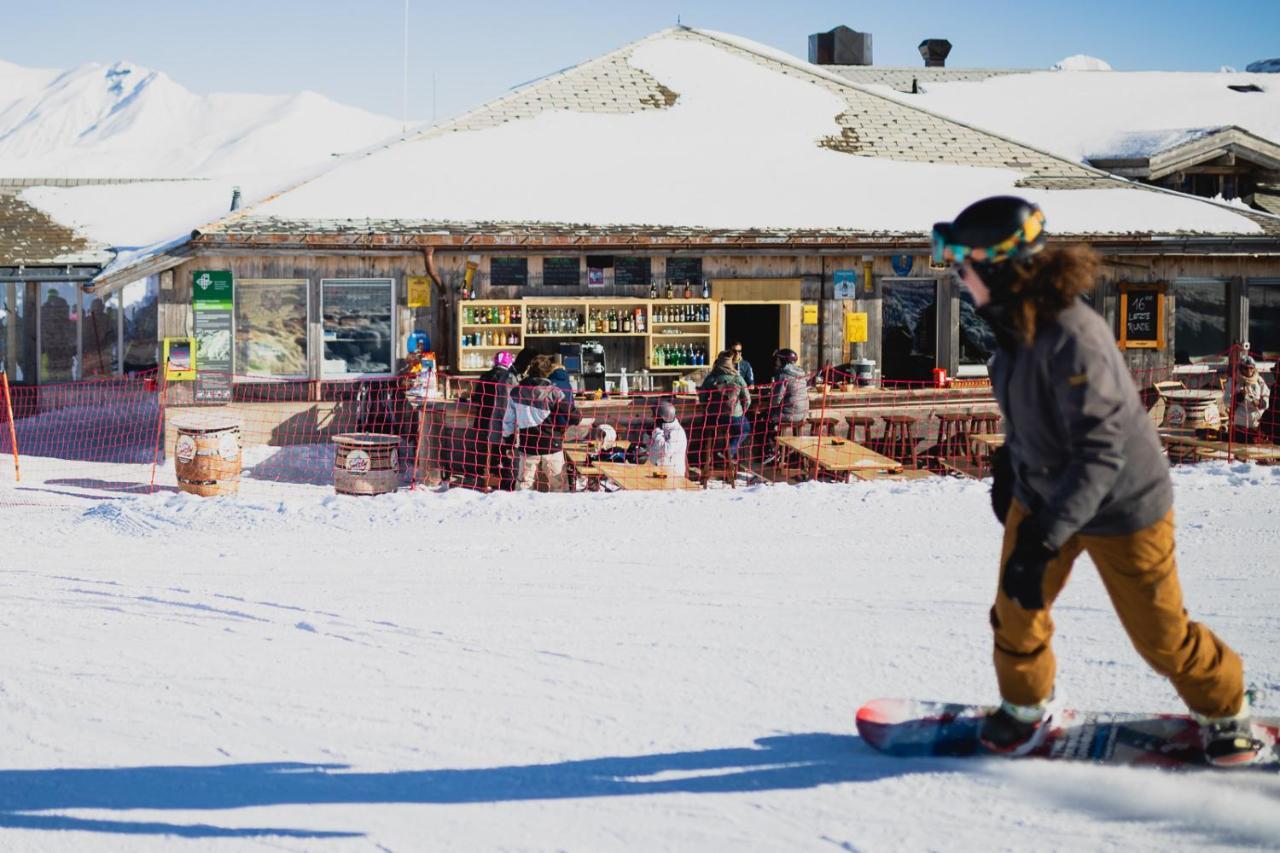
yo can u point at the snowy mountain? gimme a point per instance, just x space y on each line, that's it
123 120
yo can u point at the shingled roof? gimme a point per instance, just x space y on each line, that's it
30 237
689 135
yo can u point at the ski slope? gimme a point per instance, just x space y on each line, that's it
659 671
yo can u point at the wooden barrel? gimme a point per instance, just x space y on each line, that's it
366 463
1192 410
207 454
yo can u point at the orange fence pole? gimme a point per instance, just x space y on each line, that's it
155 459
817 449
13 433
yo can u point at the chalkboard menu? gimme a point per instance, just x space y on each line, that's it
508 272
680 270
632 271
1142 317
561 272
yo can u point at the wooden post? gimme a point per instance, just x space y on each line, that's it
13 433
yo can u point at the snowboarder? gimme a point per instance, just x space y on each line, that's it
1082 472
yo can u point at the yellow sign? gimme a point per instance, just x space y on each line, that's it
179 359
809 315
855 328
419 291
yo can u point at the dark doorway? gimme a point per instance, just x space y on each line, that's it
758 327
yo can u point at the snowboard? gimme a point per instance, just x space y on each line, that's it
909 728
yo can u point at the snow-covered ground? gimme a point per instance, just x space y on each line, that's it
584 672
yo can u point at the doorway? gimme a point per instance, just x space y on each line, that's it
759 328
909 350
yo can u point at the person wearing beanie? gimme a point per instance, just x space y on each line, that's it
668 445
1247 398
1082 472
725 393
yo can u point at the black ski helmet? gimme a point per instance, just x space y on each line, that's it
990 232
786 356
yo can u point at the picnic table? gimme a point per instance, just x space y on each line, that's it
645 478
576 452
1186 448
838 455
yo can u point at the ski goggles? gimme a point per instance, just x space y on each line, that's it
948 251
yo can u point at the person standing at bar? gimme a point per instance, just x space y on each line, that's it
537 415
1082 472
722 385
745 370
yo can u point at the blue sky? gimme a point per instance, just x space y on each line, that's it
352 51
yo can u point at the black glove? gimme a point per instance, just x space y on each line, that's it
1023 578
1239 396
1001 483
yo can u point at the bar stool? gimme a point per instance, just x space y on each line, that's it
897 442
982 423
864 423
788 428
821 425
952 444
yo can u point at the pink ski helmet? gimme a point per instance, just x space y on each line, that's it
504 359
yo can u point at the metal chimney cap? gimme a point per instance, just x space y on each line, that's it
935 52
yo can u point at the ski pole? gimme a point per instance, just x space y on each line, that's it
13 433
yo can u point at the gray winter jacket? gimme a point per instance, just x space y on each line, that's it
1085 455
791 393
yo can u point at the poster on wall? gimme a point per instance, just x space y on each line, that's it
271 328
179 360
846 282
419 291
212 302
855 327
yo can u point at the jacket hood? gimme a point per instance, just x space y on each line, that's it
792 370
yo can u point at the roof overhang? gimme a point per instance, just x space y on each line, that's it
113 280
1227 144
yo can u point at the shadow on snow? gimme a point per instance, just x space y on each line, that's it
783 762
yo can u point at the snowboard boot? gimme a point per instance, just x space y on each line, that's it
1229 741
1014 729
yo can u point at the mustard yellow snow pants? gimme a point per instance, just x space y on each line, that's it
1141 576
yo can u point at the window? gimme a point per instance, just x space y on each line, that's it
99 336
59 348
271 328
508 272
11 332
561 272
910 337
1264 320
977 340
359 335
141 301
1200 320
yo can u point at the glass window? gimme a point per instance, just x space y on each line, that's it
11 332
59 350
358 329
977 340
1200 320
910 345
141 301
271 328
1264 320
99 336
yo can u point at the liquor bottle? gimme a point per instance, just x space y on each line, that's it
688 290
640 324
670 292
706 289
613 321
657 357
503 315
653 290
582 323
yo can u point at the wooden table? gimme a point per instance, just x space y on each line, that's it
576 452
640 478
892 475
1185 447
838 455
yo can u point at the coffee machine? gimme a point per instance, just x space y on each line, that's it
586 362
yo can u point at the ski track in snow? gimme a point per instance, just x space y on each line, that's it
656 671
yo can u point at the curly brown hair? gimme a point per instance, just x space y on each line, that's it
1048 283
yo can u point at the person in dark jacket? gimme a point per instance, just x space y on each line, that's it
745 370
489 397
723 384
536 417
790 387
1088 476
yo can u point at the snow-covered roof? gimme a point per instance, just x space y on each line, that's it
1081 114
694 132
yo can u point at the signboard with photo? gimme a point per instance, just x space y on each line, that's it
271 328
212 300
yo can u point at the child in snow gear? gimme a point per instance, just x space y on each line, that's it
1087 475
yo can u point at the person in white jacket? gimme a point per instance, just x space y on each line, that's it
1247 398
668 443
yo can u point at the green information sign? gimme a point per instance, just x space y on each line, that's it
211 290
